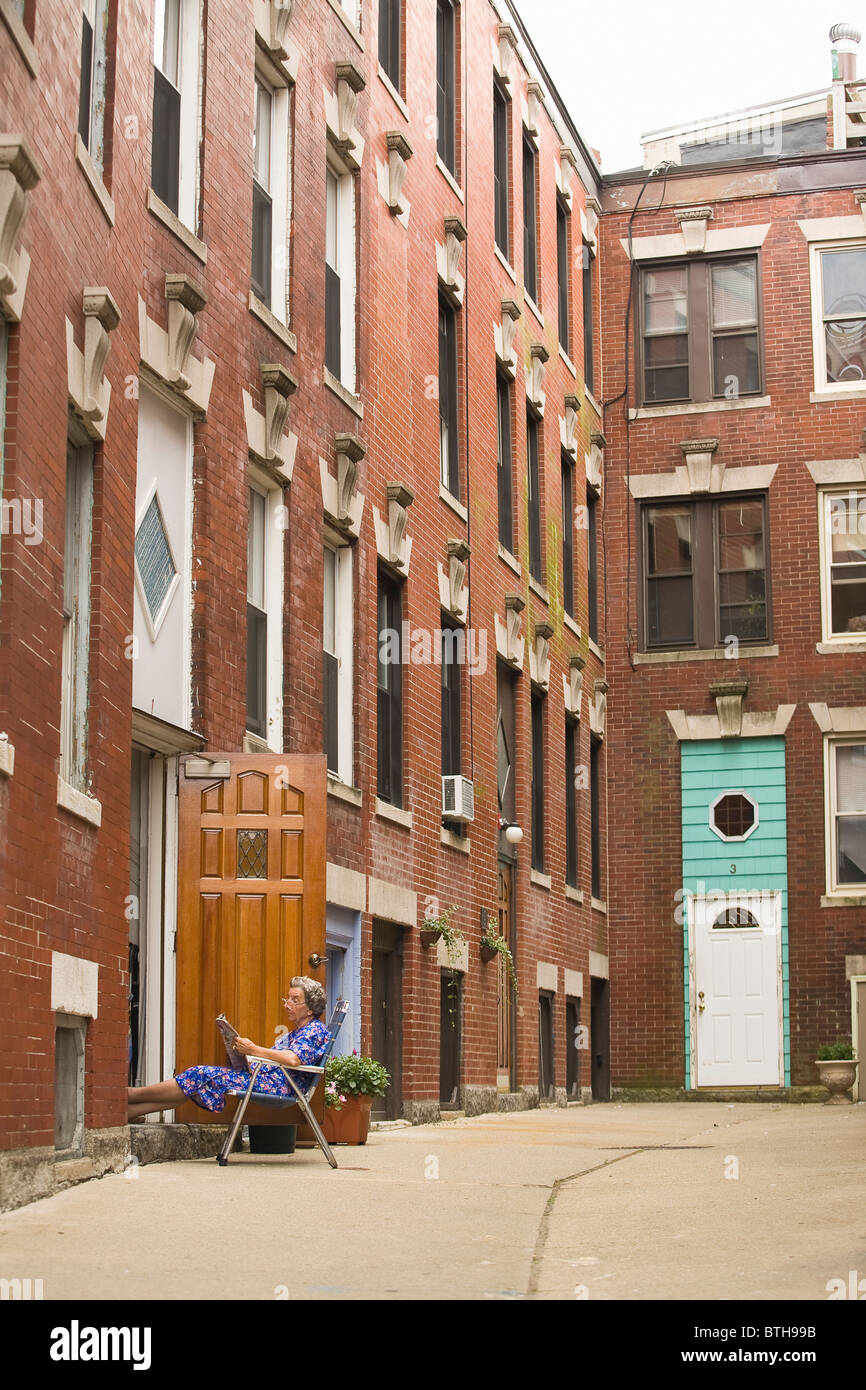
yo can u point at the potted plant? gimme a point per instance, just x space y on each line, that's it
837 1070
492 945
440 929
350 1085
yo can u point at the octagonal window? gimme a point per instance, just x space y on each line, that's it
733 816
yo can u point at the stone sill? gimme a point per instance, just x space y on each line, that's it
701 654
509 560
393 93
164 214
270 320
540 880
78 803
352 28
453 502
458 842
844 900
533 306
506 264
827 396
94 179
7 758
343 792
348 397
662 412
20 37
598 906
574 895
593 402
596 650
839 647
572 626
567 360
539 590
396 814
449 179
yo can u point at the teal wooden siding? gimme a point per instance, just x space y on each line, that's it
755 766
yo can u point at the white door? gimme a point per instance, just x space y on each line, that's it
735 980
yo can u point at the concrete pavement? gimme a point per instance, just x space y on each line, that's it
644 1201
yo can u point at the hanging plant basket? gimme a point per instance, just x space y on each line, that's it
488 953
429 937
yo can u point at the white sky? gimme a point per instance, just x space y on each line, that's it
626 67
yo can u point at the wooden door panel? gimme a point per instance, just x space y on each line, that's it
251 899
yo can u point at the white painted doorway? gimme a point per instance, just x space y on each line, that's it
735 969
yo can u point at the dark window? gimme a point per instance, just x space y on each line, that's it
571 743
448 452
452 651
568 535
562 272
530 228
588 348
537 715
333 289
257 618
165 158
535 562
595 813
705 573
86 87
390 691
505 733
592 563
700 331
734 815
262 212
572 1045
445 87
504 472
500 167
330 661
390 57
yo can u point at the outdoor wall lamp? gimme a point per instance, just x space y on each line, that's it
513 833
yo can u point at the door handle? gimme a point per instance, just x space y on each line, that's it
701 1004
316 960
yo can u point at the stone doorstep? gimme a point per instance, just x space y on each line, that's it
742 1094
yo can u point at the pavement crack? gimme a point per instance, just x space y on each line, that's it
544 1224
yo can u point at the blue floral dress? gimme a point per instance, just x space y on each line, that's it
207 1086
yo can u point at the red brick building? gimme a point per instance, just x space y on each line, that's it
297 319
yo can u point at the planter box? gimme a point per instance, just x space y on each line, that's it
351 1123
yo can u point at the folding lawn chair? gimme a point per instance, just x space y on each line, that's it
281 1103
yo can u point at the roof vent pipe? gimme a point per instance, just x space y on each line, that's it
845 38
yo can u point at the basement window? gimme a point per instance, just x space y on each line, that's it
69 1037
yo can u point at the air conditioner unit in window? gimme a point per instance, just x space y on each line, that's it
458 799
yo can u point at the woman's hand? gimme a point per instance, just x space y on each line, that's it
246 1047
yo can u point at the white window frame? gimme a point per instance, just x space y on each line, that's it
840 639
346 267
259 481
189 77
96 12
77 555
353 9
831 743
343 642
734 791
280 184
822 385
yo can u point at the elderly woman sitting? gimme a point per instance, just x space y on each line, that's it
304 1046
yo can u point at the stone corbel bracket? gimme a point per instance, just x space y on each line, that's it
168 355
595 462
392 543
701 472
393 174
342 503
860 197
568 424
534 106
448 260
89 390
589 222
265 438
453 585
566 165
341 108
538 356
572 685
693 225
539 655
729 697
510 643
503 337
272 22
598 708
19 172
504 45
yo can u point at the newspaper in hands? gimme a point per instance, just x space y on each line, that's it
229 1034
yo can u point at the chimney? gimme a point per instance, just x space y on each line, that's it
845 38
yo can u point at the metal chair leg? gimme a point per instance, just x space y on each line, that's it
317 1131
223 1155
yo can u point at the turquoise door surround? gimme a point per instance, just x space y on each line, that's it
755 766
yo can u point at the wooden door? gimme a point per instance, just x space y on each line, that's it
251 898
450 1020
387 1030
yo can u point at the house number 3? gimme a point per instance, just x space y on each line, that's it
733 868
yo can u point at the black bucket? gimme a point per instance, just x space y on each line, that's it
272 1139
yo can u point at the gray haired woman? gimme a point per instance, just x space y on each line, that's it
303 1046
